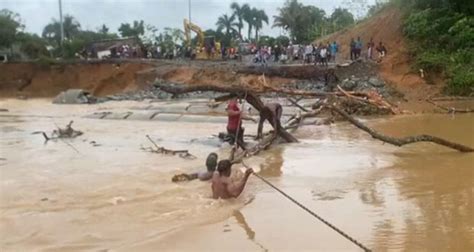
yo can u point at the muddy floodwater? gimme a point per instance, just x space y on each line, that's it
110 195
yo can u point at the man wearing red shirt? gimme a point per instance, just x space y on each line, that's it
234 123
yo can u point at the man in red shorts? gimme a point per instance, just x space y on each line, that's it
234 123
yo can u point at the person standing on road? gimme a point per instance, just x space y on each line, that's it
353 49
323 53
334 48
381 50
358 47
370 48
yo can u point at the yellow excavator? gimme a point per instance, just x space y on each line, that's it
207 47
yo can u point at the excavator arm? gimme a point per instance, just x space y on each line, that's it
188 27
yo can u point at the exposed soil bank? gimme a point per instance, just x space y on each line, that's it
34 80
395 68
106 78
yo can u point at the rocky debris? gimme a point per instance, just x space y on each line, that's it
376 82
348 84
74 96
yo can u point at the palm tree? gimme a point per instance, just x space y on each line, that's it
71 27
239 13
249 17
288 17
52 31
227 23
259 17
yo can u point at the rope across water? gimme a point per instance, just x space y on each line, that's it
362 246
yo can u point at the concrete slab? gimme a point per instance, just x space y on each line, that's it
118 116
167 117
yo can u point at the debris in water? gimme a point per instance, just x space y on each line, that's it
181 153
117 200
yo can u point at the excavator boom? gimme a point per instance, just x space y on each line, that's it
188 27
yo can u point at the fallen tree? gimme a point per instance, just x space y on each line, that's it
400 141
374 100
251 98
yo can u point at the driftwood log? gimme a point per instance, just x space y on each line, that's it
262 145
400 141
67 132
181 153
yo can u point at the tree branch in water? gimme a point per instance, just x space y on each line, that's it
401 141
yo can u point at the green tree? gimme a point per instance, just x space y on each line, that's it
103 29
32 45
288 17
239 13
442 37
226 23
340 19
282 40
249 17
132 30
177 35
10 26
259 17
302 22
52 31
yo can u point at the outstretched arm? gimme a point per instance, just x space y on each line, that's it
235 189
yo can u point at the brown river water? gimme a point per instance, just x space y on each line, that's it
113 196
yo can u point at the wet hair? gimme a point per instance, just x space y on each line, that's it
223 166
211 161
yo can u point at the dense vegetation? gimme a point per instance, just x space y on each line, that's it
442 36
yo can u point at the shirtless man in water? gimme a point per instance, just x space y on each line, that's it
222 185
271 112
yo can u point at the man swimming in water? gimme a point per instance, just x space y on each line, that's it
211 163
271 112
222 186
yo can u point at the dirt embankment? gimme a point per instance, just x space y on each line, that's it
395 69
34 80
105 78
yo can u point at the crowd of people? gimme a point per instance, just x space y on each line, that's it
306 54
315 54
356 47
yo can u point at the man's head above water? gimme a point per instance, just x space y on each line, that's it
211 162
224 167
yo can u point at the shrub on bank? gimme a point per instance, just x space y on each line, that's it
443 42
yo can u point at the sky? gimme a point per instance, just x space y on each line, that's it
91 14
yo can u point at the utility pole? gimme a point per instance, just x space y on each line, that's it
61 24
189 9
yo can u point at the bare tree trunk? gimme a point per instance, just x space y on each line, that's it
401 141
241 92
